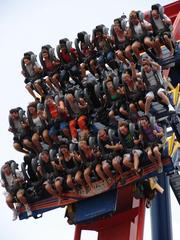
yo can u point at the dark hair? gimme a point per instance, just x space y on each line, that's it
32 104
45 51
128 71
63 146
27 56
145 117
118 20
63 41
14 110
145 62
122 124
155 7
45 151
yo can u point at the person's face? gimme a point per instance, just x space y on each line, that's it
64 150
147 67
49 101
83 146
63 46
117 28
6 169
98 34
134 19
32 110
126 77
14 115
45 157
123 130
155 14
27 61
83 46
144 123
45 54
70 98
128 33
103 135
109 85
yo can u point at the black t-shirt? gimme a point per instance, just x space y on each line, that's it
48 168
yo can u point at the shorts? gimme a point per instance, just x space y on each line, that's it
30 81
151 93
64 125
160 34
53 131
129 155
153 145
118 159
142 37
19 139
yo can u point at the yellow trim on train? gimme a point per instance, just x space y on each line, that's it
176 147
170 141
175 93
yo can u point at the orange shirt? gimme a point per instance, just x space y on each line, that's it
53 111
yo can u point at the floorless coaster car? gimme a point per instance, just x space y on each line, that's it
149 170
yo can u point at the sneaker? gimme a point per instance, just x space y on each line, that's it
97 75
148 203
15 214
74 140
28 211
160 169
171 109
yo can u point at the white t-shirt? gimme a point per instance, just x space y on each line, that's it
10 178
151 78
159 23
138 28
37 122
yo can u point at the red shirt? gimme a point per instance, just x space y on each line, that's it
66 56
48 64
53 111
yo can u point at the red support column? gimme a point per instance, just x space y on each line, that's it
77 234
140 225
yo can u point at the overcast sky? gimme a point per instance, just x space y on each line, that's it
25 26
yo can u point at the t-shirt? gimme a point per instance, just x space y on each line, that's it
102 145
158 22
139 31
37 122
151 78
48 168
149 135
30 69
104 46
53 111
17 125
10 178
48 64
74 107
66 56
152 81
127 141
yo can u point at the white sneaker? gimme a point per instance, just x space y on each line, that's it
74 140
15 214
28 211
171 109
96 75
160 169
